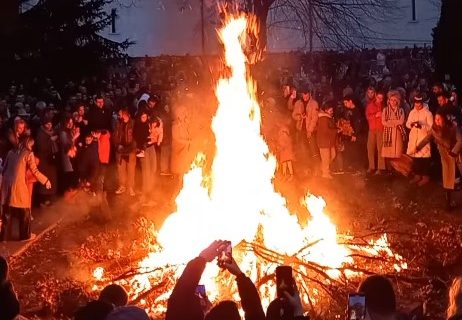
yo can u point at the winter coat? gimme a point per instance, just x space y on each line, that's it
15 192
425 119
374 122
326 135
104 147
123 136
95 310
392 134
87 162
184 304
66 143
449 142
9 304
141 134
181 144
100 119
47 152
285 145
306 114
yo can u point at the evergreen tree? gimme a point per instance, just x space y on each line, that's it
446 41
61 38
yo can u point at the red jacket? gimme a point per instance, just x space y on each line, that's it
375 123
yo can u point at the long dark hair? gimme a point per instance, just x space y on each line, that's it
446 130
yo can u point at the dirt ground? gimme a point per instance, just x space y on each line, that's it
55 273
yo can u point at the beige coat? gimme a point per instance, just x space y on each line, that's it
307 116
181 143
14 187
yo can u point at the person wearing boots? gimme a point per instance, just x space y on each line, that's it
448 138
420 122
15 195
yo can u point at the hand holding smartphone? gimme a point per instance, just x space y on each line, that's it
226 255
356 306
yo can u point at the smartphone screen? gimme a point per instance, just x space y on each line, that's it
226 256
356 306
284 281
200 291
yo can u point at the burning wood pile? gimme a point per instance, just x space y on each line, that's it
237 201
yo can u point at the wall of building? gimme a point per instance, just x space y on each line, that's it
174 27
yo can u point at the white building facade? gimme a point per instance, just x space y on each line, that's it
174 27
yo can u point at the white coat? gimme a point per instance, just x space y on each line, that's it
425 118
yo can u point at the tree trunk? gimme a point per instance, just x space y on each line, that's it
261 10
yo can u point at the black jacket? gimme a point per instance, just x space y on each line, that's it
9 304
100 119
88 161
184 304
94 310
141 133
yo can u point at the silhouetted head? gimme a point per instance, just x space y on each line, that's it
114 294
225 310
380 296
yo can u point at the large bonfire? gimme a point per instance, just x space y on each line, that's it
237 201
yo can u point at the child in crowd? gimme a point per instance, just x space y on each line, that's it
286 152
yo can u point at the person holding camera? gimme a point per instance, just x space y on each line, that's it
184 303
420 122
288 304
380 299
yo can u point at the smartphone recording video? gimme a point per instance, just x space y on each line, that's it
200 291
284 281
356 306
226 255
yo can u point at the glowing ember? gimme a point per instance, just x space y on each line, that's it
98 273
237 202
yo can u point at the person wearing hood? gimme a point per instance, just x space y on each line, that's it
16 197
326 138
420 122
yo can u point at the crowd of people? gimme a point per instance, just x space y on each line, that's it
376 113
188 301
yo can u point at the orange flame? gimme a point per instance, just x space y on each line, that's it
237 200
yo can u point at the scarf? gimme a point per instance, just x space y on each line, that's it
388 131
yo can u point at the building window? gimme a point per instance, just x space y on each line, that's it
113 20
414 16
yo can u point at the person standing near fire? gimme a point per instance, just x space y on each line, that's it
125 153
148 155
305 115
100 123
420 122
448 137
15 194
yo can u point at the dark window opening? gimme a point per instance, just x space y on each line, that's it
414 16
113 20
